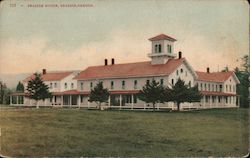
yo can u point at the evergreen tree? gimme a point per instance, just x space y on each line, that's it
37 89
153 92
243 75
99 94
181 93
20 87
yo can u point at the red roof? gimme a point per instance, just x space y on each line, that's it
162 37
217 93
213 76
51 76
76 92
130 70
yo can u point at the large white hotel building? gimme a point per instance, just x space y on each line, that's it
72 88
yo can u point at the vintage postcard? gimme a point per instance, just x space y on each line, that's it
114 78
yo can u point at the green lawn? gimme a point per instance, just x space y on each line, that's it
73 132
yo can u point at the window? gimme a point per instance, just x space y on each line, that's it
177 72
123 84
159 48
147 82
72 85
213 99
226 99
226 88
230 88
81 85
221 88
91 85
156 48
201 86
189 83
216 88
212 87
112 85
51 85
135 84
172 82
65 85
181 70
205 86
161 81
135 99
208 87
81 98
169 48
219 98
55 85
207 99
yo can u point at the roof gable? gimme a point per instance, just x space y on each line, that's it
138 69
214 76
51 76
162 37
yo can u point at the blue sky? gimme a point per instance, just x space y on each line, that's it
209 33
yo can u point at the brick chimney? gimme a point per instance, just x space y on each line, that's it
208 70
44 71
180 54
106 62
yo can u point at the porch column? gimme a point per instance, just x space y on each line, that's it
132 101
79 101
109 101
120 101
217 101
70 101
204 100
210 101
17 100
62 101
11 100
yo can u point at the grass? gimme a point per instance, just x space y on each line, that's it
30 132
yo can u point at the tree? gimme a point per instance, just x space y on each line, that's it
181 93
5 93
20 87
242 89
99 94
37 89
153 92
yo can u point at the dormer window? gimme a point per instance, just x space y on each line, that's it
156 48
169 48
159 48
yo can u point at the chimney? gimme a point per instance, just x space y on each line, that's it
208 70
106 62
180 55
44 71
112 61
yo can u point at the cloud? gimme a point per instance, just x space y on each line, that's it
33 54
